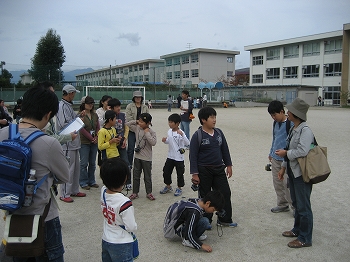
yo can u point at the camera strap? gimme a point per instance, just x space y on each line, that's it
176 139
139 142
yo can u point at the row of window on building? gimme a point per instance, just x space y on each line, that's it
292 51
333 69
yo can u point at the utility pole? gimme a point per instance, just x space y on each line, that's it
2 63
189 46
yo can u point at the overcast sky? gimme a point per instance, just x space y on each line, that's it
110 32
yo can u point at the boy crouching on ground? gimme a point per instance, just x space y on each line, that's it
185 219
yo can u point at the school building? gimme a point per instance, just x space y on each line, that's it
318 65
182 69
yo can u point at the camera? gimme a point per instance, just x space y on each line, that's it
182 150
221 213
137 149
268 167
195 187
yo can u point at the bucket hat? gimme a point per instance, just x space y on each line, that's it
299 108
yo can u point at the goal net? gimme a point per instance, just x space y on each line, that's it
123 93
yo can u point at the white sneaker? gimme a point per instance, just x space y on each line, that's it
187 243
202 237
128 187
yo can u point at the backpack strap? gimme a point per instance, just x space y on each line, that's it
13 132
33 136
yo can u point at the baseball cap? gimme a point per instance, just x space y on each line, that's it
87 100
147 118
70 89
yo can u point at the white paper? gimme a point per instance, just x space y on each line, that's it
76 125
184 104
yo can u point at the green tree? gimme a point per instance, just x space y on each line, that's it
5 79
48 58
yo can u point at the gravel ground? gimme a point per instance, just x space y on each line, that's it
258 235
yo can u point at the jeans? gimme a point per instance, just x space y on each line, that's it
124 155
300 193
53 244
116 252
185 126
88 154
131 147
169 107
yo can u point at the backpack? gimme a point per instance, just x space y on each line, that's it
15 164
287 126
172 216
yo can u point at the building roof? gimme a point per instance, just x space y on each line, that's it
295 40
199 50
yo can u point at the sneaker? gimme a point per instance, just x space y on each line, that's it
187 243
178 192
94 186
79 194
279 209
166 190
202 237
66 199
133 196
85 187
223 224
128 187
150 196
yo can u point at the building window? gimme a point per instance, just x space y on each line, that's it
168 62
333 93
258 60
177 75
291 51
290 72
311 49
130 68
146 78
146 66
333 46
332 69
117 71
273 73
229 59
194 58
140 67
177 61
273 54
135 68
169 75
185 74
229 73
141 78
194 73
135 78
130 79
257 79
185 59
125 71
311 70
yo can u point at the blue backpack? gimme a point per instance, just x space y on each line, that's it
15 164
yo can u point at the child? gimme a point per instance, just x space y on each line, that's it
177 142
280 131
145 139
191 224
209 156
118 211
108 140
123 131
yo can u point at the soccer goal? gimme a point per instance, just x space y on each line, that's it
123 93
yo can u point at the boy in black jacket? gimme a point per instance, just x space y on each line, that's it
209 157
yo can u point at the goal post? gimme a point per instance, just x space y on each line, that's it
123 93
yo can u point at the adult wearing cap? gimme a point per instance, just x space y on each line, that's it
298 145
133 112
71 149
88 147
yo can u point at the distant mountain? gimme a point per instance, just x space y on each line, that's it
68 76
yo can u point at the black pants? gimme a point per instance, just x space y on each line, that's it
168 170
214 178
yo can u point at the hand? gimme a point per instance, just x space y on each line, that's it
74 135
270 158
195 179
124 144
281 152
207 248
281 173
146 130
94 140
229 171
82 114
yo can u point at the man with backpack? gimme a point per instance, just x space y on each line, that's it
48 161
281 127
185 219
